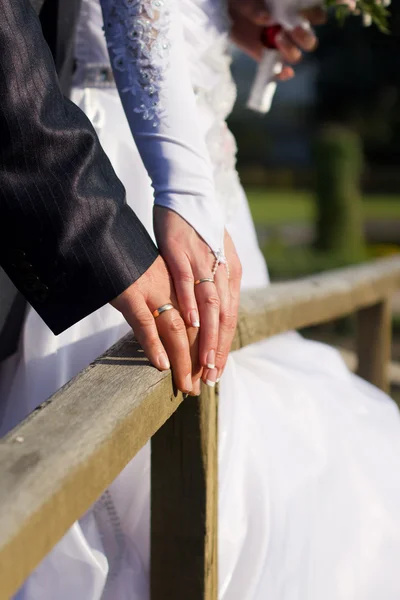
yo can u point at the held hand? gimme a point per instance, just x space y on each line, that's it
250 16
137 304
212 305
230 299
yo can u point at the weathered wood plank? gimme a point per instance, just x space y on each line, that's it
317 299
59 461
77 443
373 343
184 502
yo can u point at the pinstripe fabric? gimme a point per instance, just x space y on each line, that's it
68 240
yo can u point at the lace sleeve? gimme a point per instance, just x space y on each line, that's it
147 54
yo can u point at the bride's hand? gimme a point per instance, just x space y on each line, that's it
250 16
213 305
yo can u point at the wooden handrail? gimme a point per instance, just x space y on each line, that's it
315 299
56 463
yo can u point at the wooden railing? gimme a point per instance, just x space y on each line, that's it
56 463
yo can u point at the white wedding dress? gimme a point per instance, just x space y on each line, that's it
309 455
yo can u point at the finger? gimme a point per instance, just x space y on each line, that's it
290 52
227 319
316 15
235 279
304 38
182 276
193 334
139 317
286 74
208 303
183 279
171 328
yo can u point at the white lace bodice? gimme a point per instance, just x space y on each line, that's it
168 57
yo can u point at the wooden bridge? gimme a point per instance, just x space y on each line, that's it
56 463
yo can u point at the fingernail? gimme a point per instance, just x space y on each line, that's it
163 361
194 318
211 377
211 359
188 383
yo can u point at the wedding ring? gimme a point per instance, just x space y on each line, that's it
162 309
204 280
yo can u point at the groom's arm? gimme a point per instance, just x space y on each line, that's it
68 240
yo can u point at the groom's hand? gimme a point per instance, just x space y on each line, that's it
137 304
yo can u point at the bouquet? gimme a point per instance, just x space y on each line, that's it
372 11
285 13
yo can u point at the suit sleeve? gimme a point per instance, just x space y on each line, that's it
68 240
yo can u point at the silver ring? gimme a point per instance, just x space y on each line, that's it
163 308
204 280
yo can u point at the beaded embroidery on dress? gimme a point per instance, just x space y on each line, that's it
139 33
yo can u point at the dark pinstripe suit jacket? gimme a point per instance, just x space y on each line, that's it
68 240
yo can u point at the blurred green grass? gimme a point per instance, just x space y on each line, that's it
275 207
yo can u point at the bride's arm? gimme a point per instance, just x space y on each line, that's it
148 58
147 53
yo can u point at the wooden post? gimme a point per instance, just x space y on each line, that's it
184 502
373 343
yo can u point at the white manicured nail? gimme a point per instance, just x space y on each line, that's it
211 359
194 318
211 377
163 361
